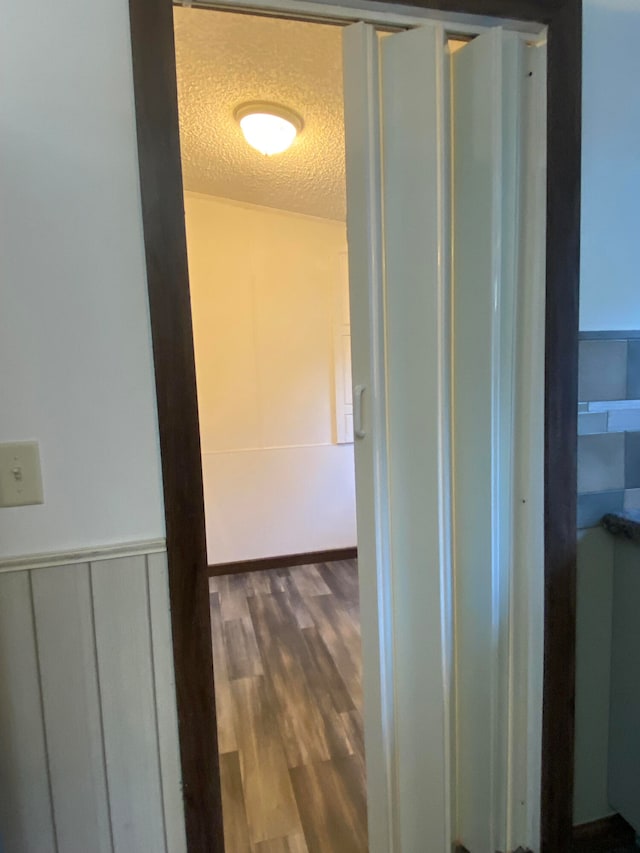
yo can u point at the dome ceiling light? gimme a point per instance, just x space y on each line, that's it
269 128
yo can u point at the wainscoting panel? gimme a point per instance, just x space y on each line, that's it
71 704
89 755
167 717
26 815
123 646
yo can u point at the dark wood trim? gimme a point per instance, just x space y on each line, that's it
284 562
163 220
613 828
154 76
564 141
606 834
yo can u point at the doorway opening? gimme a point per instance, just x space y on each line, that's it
268 273
272 331
171 324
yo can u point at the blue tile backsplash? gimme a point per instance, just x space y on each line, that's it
623 420
602 372
593 506
608 424
633 370
601 462
592 422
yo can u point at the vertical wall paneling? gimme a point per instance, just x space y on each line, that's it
71 704
26 818
125 671
89 751
168 748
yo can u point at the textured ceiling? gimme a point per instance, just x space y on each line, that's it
225 59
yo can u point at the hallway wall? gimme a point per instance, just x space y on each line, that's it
609 295
89 757
269 291
75 343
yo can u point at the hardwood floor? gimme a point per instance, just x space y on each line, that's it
288 683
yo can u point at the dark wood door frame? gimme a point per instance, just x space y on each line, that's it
154 75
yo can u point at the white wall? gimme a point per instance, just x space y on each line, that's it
609 290
88 740
265 291
75 350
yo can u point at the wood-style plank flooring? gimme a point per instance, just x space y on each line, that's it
288 683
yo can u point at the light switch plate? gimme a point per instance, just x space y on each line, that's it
20 477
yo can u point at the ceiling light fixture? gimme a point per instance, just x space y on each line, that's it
269 128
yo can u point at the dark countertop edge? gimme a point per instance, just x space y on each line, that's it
616 335
626 525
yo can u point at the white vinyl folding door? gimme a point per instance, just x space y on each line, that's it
435 191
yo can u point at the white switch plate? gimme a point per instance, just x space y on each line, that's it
20 477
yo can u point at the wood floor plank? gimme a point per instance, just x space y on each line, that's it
261 583
342 579
298 843
269 801
311 730
309 581
296 602
233 590
224 701
341 635
274 845
291 844
355 731
234 814
332 805
241 649
323 675
289 693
